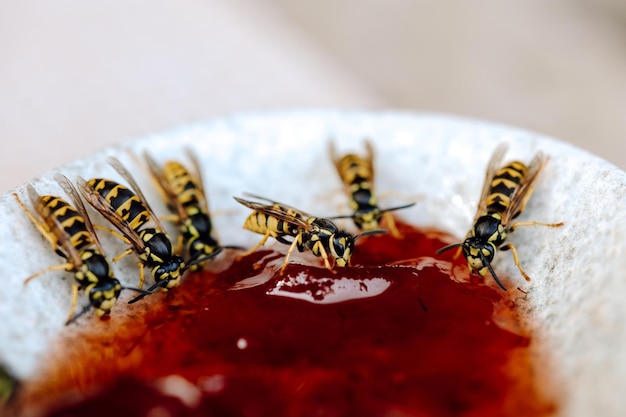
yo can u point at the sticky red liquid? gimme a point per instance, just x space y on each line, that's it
411 338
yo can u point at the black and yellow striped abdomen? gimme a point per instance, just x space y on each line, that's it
55 211
503 186
125 203
185 186
262 223
357 174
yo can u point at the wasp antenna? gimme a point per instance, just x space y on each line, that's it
346 216
370 232
148 291
144 292
398 207
446 248
77 316
258 197
332 151
493 273
235 247
203 259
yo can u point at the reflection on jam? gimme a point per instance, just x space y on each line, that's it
401 333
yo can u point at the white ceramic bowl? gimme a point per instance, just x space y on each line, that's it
574 306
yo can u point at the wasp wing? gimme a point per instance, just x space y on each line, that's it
284 206
103 207
280 211
70 190
495 163
369 160
170 195
198 178
119 167
525 188
54 227
332 151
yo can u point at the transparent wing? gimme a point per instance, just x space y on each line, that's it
117 165
280 211
172 197
54 227
197 167
71 191
495 163
105 209
525 189
369 159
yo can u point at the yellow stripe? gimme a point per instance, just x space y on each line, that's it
514 169
507 183
505 200
97 185
272 224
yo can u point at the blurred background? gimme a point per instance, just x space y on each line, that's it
77 76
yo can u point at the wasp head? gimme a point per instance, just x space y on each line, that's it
168 273
479 254
341 246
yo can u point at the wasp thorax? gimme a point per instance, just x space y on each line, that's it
201 223
489 228
95 265
158 245
324 226
363 198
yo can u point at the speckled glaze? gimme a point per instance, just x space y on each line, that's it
573 304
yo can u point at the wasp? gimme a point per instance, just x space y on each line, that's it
71 234
184 194
319 235
128 211
357 174
505 193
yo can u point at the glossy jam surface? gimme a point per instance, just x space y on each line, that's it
401 333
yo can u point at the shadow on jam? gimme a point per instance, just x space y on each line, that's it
400 333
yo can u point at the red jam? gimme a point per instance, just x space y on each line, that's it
400 333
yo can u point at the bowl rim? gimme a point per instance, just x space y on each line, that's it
574 309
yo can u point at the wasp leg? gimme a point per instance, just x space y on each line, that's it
142 276
516 259
170 218
391 225
113 232
324 255
515 225
257 246
291 248
66 267
74 302
121 255
179 244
